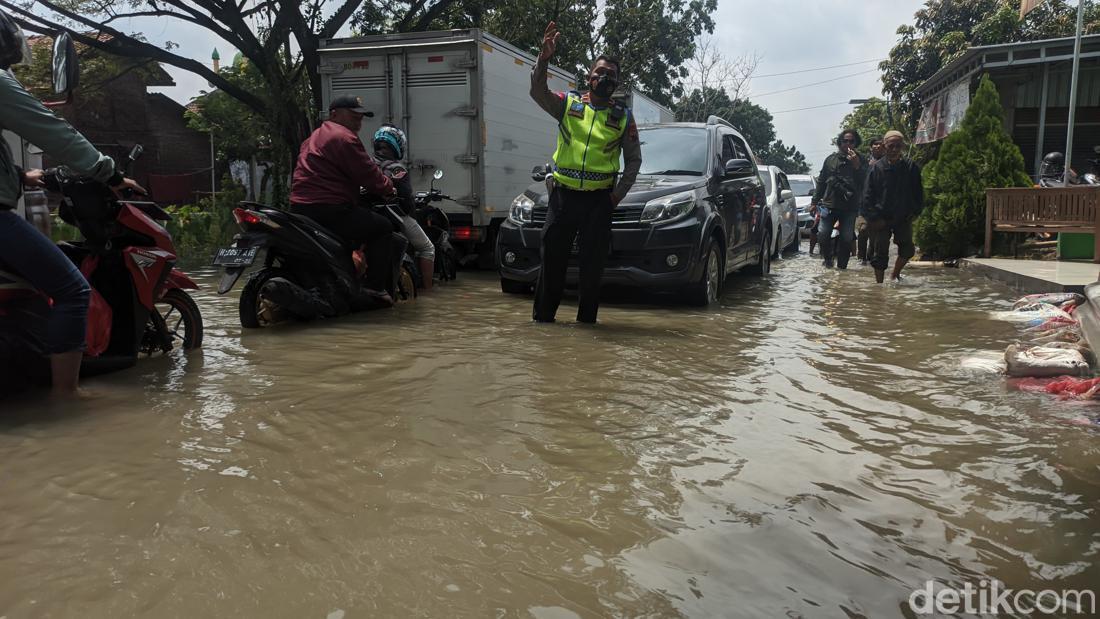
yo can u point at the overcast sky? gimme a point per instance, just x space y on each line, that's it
788 35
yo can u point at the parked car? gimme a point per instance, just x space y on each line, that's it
784 211
803 186
696 213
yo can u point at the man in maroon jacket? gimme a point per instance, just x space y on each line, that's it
332 166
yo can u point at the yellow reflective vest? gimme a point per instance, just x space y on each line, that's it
589 145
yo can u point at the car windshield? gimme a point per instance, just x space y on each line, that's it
674 150
802 188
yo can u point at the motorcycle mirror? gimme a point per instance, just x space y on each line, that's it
66 67
136 152
438 175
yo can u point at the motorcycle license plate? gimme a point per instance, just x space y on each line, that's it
236 256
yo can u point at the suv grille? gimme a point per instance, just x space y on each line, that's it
621 215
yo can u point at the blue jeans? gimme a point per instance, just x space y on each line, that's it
26 252
840 248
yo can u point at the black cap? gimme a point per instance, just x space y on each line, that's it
348 102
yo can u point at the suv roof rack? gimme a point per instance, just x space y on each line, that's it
714 120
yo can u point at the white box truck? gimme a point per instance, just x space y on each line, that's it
462 98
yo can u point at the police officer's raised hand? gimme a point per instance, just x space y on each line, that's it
549 42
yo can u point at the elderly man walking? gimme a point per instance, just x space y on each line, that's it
894 197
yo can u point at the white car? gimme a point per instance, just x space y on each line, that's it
781 201
803 186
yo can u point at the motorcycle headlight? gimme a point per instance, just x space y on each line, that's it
520 213
668 208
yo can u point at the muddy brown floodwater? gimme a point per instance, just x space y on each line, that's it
808 448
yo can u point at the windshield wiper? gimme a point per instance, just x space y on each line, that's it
676 172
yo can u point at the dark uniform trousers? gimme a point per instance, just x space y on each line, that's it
570 212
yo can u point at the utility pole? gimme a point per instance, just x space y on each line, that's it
1073 89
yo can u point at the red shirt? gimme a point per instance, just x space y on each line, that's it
332 166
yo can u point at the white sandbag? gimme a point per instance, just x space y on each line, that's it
1050 298
1081 347
1069 333
1036 313
1040 362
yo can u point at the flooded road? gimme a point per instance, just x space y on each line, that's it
810 448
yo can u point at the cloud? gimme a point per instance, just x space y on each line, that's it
792 35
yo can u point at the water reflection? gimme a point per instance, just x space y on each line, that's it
810 447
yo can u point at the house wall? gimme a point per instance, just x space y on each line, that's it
1021 96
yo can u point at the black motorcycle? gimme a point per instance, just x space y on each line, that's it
308 271
437 226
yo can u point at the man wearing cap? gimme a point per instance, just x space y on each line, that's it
332 166
893 199
592 132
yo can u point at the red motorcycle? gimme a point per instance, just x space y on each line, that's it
139 305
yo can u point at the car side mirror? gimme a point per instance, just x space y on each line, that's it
786 195
739 168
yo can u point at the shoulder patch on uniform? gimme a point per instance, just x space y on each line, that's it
576 108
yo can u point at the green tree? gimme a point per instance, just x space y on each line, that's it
652 38
943 29
279 38
978 155
787 158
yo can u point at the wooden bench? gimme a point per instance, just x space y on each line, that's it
1043 210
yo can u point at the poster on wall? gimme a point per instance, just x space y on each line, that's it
944 113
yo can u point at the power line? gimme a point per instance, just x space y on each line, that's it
840 77
815 107
835 66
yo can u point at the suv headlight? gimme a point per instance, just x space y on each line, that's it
668 208
520 213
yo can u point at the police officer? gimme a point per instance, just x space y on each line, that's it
592 131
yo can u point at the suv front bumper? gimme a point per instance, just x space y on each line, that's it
638 256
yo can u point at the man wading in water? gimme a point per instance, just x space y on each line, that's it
893 199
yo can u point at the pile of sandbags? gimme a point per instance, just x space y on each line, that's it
1052 344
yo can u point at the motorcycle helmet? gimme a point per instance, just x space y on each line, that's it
13 43
1054 164
394 137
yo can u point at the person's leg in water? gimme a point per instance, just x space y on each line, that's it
879 249
825 236
38 260
424 250
813 233
847 224
563 218
903 238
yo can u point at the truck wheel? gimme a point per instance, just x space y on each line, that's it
511 286
709 287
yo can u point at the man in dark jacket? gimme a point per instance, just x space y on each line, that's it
863 237
333 165
893 199
839 188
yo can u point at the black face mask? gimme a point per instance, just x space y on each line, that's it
605 85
